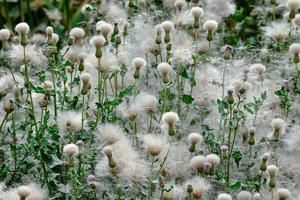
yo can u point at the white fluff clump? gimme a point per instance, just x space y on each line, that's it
70 121
213 159
77 33
176 193
108 62
138 63
197 12
55 38
277 30
224 196
147 103
258 69
293 4
272 170
22 28
195 138
34 56
104 27
24 191
197 162
257 196
295 48
110 133
170 118
4 34
278 125
167 26
153 144
219 9
36 193
211 25
164 68
199 185
244 195
296 20
97 41
70 150
283 194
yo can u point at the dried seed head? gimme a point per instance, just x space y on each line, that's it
24 191
4 34
197 12
224 196
22 28
272 170
170 118
195 138
210 25
70 150
167 26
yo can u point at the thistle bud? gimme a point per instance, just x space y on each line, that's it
251 139
8 106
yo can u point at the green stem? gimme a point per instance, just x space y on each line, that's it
82 113
150 180
54 95
3 121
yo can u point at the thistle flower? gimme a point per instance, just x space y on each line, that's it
77 34
22 29
86 10
4 36
283 194
244 195
70 121
293 5
104 28
110 133
257 196
210 26
258 69
55 38
224 196
194 139
153 144
108 151
197 162
278 126
197 12
138 63
8 106
179 4
214 160
295 51
49 33
98 41
170 119
277 30
23 192
164 69
199 187
263 162
147 102
251 139
272 170
85 79
167 26
71 150
241 87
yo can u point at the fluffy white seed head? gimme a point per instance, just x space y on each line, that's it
295 48
296 20
138 62
104 28
224 196
108 151
167 26
164 68
293 4
244 195
197 12
111 133
213 159
265 156
278 124
179 4
86 9
147 103
170 118
210 25
283 194
23 191
258 68
97 40
272 170
85 77
77 33
195 138
257 196
197 162
153 144
55 38
4 34
47 85
22 28
49 30
70 150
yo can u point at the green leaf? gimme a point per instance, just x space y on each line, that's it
188 99
42 76
234 187
184 74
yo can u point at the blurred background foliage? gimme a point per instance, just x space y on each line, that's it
65 14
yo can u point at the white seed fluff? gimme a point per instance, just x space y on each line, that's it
210 25
22 28
70 150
